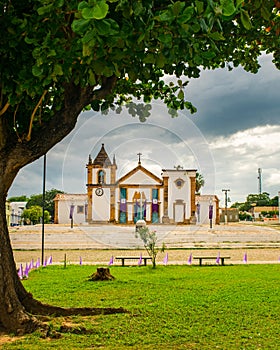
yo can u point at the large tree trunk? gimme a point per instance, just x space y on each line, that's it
16 304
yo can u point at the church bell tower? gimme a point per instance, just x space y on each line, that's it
101 181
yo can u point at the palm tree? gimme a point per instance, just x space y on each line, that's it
199 182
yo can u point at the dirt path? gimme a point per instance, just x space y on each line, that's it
174 256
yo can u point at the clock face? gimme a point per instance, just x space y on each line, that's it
99 191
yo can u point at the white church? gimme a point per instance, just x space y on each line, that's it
139 194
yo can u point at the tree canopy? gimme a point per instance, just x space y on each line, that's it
22 198
256 200
199 182
59 57
104 52
33 215
37 200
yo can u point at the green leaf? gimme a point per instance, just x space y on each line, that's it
57 70
51 53
30 41
166 16
265 13
239 2
195 27
103 27
209 55
198 60
89 36
91 78
98 11
177 7
186 15
141 37
203 25
190 107
137 8
181 94
107 27
165 38
245 19
80 25
199 6
45 10
87 50
228 7
59 3
37 71
160 60
117 72
149 58
216 36
82 5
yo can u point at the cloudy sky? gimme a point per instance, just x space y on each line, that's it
235 131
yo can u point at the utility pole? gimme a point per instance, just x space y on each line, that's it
260 180
226 203
43 207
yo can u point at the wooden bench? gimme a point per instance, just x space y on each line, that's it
222 258
123 258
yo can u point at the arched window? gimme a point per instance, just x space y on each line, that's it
101 177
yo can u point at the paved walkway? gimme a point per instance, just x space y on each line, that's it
123 237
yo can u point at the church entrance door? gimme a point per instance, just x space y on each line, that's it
179 211
139 212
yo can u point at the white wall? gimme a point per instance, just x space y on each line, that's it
79 202
203 217
101 206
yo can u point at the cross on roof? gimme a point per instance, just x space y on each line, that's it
139 157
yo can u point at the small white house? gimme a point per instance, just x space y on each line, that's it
207 207
70 207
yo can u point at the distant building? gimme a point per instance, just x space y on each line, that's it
257 211
139 194
232 214
67 205
203 209
16 209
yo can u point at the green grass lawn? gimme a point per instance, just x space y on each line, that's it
171 307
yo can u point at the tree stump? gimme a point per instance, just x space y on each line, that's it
102 274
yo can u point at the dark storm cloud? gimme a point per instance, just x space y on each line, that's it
236 100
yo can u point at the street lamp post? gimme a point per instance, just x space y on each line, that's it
43 206
198 212
71 214
226 203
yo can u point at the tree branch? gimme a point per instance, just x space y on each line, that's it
3 110
106 88
28 137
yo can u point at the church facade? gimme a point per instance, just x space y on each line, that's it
139 194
